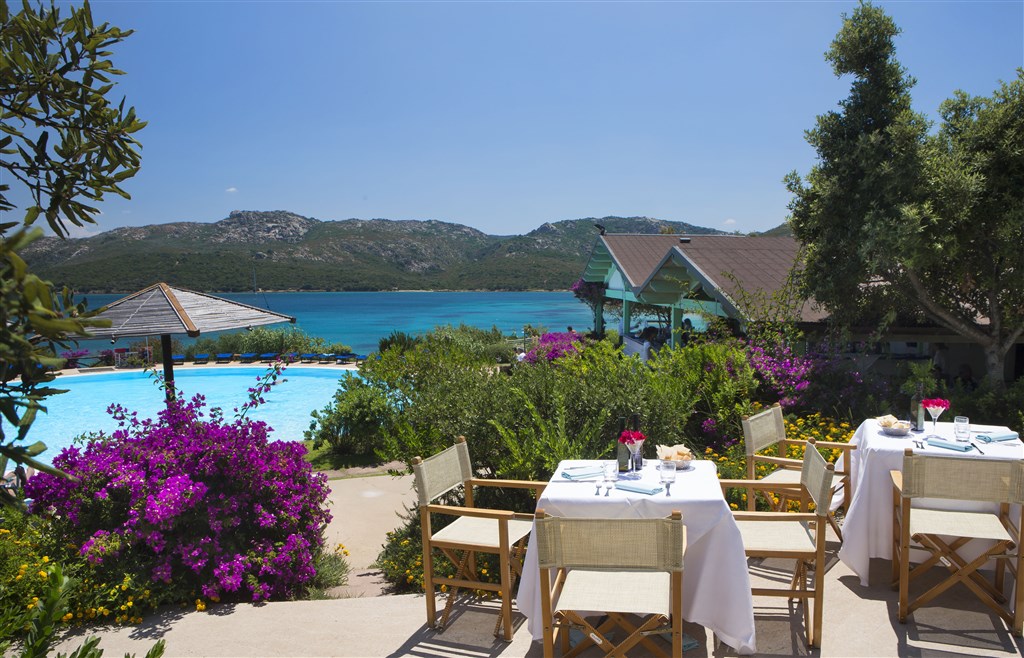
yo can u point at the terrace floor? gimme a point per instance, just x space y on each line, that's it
858 621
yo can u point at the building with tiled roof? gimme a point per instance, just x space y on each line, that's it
697 275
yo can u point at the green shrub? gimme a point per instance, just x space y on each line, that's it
356 419
264 340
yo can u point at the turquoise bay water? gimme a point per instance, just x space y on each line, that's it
360 319
356 319
83 408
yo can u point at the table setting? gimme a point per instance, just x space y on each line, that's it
881 442
716 584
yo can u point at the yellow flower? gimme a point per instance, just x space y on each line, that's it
46 559
42 574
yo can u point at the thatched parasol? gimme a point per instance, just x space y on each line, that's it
168 310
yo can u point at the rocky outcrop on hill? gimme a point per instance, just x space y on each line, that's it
286 251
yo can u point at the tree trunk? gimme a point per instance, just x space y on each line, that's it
995 363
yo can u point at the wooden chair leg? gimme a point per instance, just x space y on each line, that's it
453 593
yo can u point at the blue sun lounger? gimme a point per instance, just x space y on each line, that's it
309 358
201 358
225 357
178 359
268 357
248 357
326 358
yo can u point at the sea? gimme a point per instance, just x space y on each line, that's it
361 319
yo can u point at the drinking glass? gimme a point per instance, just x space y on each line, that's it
611 474
668 473
962 428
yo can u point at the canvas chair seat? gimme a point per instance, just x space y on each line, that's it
473 530
796 536
628 592
767 429
977 525
944 535
764 538
480 532
623 568
782 476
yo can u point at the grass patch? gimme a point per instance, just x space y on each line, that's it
332 570
323 459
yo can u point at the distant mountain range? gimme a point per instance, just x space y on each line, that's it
280 250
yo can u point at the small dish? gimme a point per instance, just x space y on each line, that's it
901 428
681 464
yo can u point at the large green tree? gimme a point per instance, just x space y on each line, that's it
897 221
64 145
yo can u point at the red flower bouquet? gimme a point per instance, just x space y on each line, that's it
935 403
631 436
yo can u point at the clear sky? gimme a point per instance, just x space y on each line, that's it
506 115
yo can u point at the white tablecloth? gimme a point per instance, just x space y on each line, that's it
867 530
716 585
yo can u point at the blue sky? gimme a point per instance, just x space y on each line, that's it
505 115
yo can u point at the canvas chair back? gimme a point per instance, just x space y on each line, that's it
982 480
440 473
763 429
816 476
655 544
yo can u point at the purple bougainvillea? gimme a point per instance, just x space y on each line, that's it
552 346
193 504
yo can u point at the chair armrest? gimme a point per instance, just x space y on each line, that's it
478 512
774 516
897 479
536 485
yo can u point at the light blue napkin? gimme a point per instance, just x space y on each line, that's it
936 442
583 473
989 437
638 488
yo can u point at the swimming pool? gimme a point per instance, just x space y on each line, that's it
83 408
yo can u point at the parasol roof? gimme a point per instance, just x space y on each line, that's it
165 309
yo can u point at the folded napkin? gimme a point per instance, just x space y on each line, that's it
638 488
936 442
585 473
989 437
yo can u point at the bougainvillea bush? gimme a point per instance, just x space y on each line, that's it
193 504
555 345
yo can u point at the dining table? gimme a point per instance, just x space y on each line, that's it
716 583
867 528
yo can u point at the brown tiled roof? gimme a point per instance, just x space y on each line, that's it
638 255
723 263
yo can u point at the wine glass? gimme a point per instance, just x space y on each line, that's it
634 449
935 412
668 474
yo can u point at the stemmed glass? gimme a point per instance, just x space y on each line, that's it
935 412
634 449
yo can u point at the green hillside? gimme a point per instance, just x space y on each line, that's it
285 251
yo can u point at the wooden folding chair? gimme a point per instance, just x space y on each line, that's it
797 536
944 534
768 428
618 567
474 530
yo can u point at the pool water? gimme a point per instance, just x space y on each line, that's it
83 408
